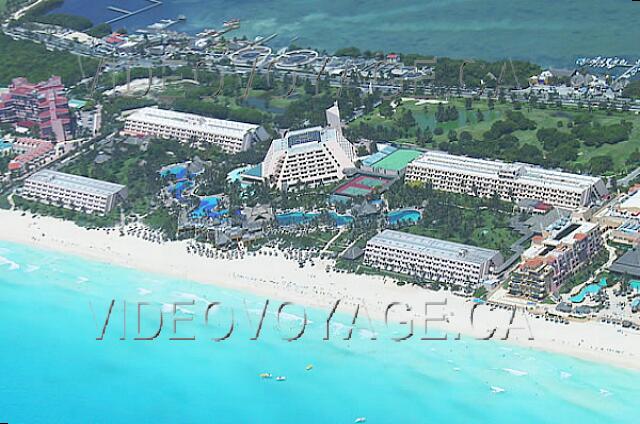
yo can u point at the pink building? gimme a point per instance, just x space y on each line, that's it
32 154
41 105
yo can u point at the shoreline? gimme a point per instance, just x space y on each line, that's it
275 277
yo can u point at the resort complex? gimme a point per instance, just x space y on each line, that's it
230 136
432 259
41 105
510 182
73 192
555 255
31 154
310 156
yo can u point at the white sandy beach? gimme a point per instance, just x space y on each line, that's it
276 278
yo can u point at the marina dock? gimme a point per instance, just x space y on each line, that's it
128 13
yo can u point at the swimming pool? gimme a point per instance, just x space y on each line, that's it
179 171
635 285
207 208
179 188
409 216
299 218
295 218
589 289
236 175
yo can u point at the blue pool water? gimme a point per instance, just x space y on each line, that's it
403 216
341 220
635 285
180 171
295 218
207 208
589 289
55 371
300 218
234 175
179 188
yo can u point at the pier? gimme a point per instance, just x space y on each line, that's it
128 13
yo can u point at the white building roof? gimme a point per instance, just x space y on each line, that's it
76 183
436 248
631 202
187 121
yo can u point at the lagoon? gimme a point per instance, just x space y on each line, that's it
549 32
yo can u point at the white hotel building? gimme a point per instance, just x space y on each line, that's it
510 181
230 136
431 259
311 156
73 191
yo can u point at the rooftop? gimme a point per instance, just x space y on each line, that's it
76 182
492 169
189 121
437 248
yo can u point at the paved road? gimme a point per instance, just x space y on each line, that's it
625 181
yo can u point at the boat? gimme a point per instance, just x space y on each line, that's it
309 367
265 375
496 389
231 23
182 18
360 420
281 378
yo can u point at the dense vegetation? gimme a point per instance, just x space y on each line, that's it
34 61
464 219
583 139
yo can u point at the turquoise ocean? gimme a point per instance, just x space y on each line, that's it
55 371
549 32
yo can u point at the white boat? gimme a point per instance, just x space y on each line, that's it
496 389
360 420
232 23
281 378
265 375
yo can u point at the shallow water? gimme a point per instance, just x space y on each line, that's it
55 371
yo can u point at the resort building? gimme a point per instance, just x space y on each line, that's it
554 257
43 106
73 191
431 259
230 136
622 218
32 154
509 181
311 156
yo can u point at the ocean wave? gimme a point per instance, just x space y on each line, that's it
81 280
193 297
32 268
517 373
6 261
564 375
143 291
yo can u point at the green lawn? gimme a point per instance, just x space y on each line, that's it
551 117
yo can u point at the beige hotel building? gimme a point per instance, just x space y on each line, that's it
510 181
431 259
230 136
73 191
